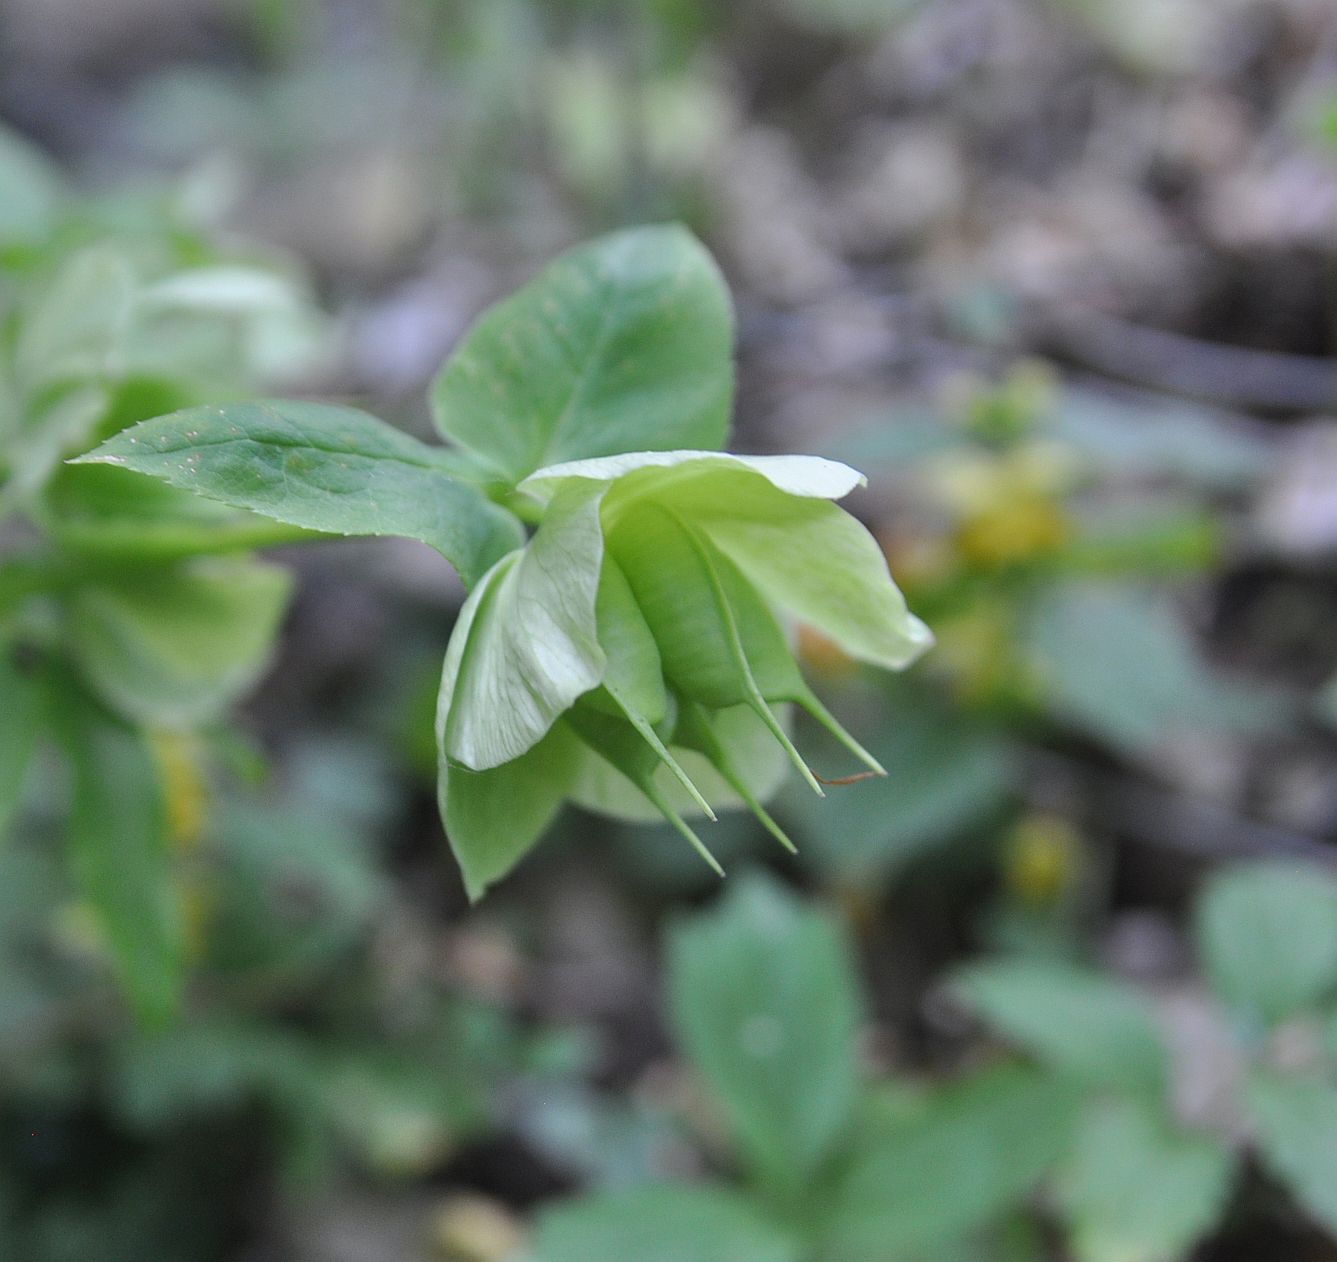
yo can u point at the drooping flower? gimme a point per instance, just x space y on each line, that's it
634 656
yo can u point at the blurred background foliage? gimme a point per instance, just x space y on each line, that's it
1057 274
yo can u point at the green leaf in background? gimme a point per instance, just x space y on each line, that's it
1095 1028
1134 1190
669 1223
766 1006
1295 1121
1119 662
849 17
297 885
18 734
177 646
77 328
118 847
320 467
935 1173
30 191
1166 438
945 773
1267 934
1327 703
624 344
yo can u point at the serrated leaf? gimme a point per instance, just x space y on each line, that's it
1267 933
321 467
119 854
1295 1121
526 642
1134 1190
1093 1027
766 1006
667 1223
623 344
176 646
929 1175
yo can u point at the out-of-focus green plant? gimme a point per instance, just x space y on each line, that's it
837 1166
126 611
1266 935
1049 538
301 1063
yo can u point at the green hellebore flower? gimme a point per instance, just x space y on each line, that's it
630 657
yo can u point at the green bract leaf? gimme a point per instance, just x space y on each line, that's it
321 467
1136 1191
1268 937
526 643
1080 1023
622 344
1295 1121
766 1006
951 1165
667 1223
119 850
177 645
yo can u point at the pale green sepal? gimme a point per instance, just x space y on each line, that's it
635 672
805 476
612 740
769 516
494 817
751 750
526 643
695 731
811 559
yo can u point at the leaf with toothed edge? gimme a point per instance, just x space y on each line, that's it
322 467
